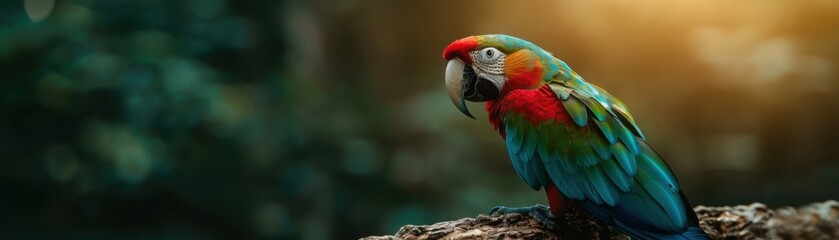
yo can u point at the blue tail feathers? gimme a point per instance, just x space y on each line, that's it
693 233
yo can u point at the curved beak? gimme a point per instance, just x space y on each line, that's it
465 83
456 85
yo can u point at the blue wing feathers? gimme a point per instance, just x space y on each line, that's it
600 147
621 179
628 139
605 187
583 182
607 166
538 167
589 158
625 158
656 166
531 142
667 197
515 144
607 130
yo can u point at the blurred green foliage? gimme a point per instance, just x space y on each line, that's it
214 119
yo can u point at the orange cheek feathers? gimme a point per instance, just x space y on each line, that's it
523 71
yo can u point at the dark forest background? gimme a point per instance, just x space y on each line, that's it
214 119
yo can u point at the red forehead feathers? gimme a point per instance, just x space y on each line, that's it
461 48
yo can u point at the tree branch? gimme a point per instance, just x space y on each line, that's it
755 221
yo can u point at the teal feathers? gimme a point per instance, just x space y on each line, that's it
598 157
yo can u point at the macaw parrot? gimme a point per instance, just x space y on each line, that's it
570 137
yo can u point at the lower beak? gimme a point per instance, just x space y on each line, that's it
455 84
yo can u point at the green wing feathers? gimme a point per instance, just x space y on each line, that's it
599 158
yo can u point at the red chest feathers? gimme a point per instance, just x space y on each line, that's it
537 105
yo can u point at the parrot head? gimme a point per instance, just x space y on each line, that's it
486 67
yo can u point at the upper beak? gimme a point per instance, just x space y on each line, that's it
455 84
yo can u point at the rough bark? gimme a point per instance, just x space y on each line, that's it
755 221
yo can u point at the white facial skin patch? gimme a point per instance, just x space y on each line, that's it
489 64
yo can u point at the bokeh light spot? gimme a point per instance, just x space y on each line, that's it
272 220
362 157
132 163
61 163
38 10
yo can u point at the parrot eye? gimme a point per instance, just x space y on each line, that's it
490 54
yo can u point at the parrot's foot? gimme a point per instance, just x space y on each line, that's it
540 212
